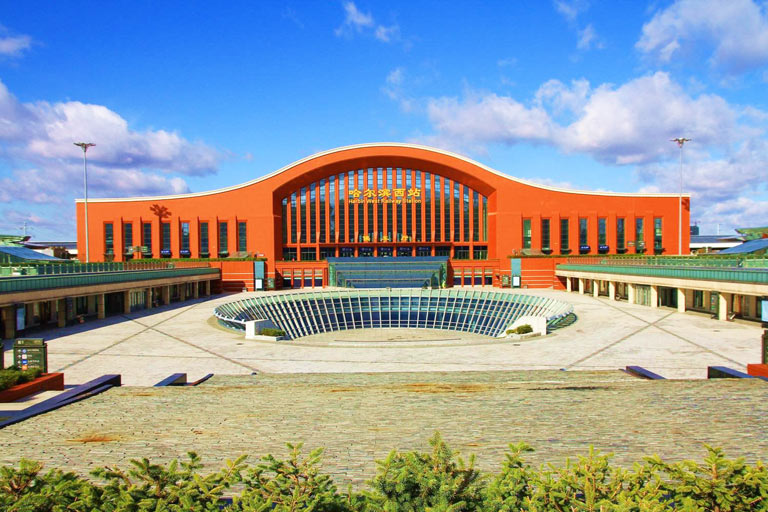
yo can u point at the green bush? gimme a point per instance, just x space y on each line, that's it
269 331
433 481
12 376
521 329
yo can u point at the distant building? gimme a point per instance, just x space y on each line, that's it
714 243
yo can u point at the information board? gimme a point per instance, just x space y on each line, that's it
30 353
764 309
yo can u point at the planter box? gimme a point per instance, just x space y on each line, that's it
46 382
265 338
758 370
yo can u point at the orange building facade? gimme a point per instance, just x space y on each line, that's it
386 200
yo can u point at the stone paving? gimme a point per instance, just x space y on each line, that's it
358 418
145 347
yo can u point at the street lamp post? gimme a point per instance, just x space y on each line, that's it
680 142
85 146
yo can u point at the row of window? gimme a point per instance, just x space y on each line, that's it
146 239
602 236
458 252
384 205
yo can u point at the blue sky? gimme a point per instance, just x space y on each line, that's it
189 96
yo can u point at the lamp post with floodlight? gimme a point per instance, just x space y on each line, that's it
85 146
680 142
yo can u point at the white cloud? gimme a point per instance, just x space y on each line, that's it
570 9
587 37
354 20
13 45
42 131
358 22
627 125
394 89
735 32
45 168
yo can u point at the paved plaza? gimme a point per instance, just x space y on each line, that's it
362 393
145 347
358 418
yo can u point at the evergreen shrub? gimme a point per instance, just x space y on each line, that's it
433 481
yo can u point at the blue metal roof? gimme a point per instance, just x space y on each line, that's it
747 247
23 253
714 239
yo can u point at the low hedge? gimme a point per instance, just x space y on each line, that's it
436 480
269 331
13 375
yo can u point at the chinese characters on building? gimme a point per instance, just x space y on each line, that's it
385 196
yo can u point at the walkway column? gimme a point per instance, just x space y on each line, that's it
100 306
126 302
29 314
568 285
52 308
166 295
183 292
681 297
148 298
196 290
722 310
595 288
654 296
630 293
61 312
207 288
611 290
9 321
581 286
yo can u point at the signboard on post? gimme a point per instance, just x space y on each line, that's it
30 353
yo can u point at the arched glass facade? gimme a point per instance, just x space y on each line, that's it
479 312
390 210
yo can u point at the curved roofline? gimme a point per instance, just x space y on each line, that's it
372 145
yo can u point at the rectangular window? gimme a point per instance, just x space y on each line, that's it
466 214
223 242
526 233
545 241
332 209
564 235
289 253
583 225
485 219
327 252
342 208
128 238
657 241
428 207
438 207
184 239
601 232
308 254
293 218
475 216
242 236
146 237
461 252
312 214
481 252
109 241
620 234
418 208
303 209
323 226
204 248
284 219
165 242
456 213
639 235
447 210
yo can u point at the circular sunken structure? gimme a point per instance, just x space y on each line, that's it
488 313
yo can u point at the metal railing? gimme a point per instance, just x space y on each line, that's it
740 275
45 282
672 261
48 269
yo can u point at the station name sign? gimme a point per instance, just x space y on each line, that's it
385 196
